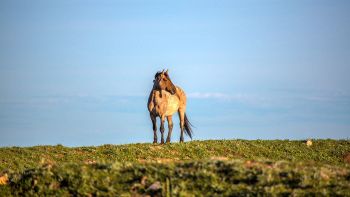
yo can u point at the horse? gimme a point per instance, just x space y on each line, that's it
164 100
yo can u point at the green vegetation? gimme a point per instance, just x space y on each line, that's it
213 168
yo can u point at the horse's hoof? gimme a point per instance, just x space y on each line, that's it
155 142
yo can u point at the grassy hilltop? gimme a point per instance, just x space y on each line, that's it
210 168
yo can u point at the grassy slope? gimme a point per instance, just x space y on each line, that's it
222 167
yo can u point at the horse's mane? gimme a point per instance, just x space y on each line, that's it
157 74
160 72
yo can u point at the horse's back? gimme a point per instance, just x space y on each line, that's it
182 97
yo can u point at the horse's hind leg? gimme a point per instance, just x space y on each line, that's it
162 128
170 127
154 123
182 124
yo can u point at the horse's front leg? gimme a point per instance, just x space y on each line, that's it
154 123
162 128
170 127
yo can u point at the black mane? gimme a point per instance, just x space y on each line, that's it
157 74
160 72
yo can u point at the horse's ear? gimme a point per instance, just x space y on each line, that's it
166 73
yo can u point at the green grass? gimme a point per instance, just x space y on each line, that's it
213 168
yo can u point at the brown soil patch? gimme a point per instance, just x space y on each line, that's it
4 179
347 158
89 161
158 160
219 158
156 147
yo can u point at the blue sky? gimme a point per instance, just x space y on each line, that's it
79 72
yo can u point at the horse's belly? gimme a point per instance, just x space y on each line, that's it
173 105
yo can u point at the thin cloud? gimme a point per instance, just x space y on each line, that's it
271 100
208 95
227 97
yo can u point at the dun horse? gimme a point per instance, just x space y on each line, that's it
164 100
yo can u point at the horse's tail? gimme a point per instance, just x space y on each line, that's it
188 129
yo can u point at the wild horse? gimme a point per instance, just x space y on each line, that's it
164 100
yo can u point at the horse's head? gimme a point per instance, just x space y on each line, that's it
162 82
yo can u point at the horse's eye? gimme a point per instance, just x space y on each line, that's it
164 79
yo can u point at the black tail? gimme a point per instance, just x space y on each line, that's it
188 128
